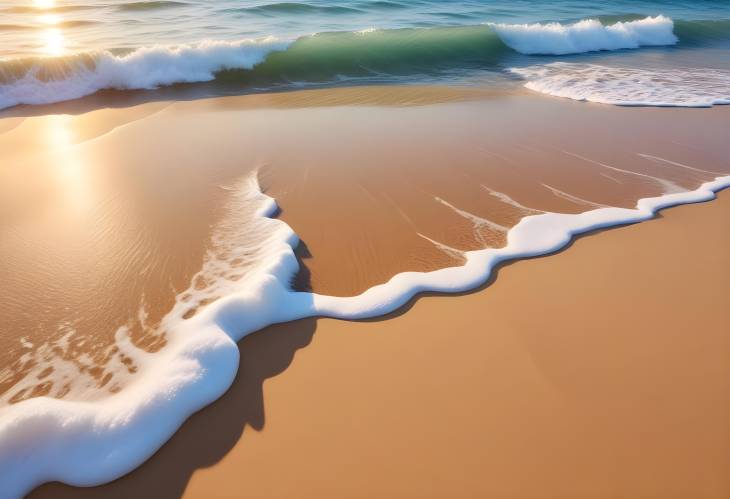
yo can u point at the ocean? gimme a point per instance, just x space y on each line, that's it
61 50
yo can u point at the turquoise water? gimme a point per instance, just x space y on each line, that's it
52 50
124 25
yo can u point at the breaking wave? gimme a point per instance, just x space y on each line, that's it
327 57
44 81
586 36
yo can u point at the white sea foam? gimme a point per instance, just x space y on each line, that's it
685 87
586 36
455 253
478 222
667 186
508 200
665 162
573 199
76 76
70 376
88 443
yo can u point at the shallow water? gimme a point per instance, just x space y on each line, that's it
123 25
55 50
122 216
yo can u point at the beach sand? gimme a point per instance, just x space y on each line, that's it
571 376
597 372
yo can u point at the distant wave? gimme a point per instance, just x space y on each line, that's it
629 86
383 4
74 23
162 4
14 27
331 56
30 9
586 36
296 8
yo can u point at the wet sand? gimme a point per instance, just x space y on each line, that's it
597 372
389 185
113 215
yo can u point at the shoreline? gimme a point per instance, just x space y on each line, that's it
403 346
239 312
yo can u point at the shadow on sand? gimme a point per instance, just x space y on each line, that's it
264 354
165 475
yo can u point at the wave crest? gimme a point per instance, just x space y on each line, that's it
586 36
44 81
331 57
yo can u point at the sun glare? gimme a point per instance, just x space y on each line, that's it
49 19
58 132
69 167
44 4
53 41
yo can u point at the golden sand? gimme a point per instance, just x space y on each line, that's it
598 372
113 214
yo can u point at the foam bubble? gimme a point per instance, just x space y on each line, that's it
586 36
684 87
